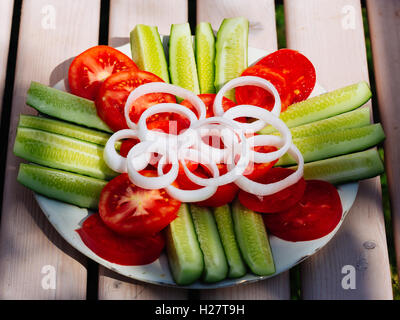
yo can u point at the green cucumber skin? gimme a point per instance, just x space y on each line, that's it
205 56
60 185
183 250
335 143
63 128
180 42
215 264
253 240
223 218
64 106
325 105
226 28
354 119
158 63
344 169
60 152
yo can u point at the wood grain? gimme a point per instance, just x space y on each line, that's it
6 9
331 34
384 23
27 241
124 15
262 34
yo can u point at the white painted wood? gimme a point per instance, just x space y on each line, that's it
51 31
331 34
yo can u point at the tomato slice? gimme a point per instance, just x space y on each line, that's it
256 170
224 194
208 99
314 216
259 97
114 92
132 211
119 249
276 202
89 69
297 70
126 146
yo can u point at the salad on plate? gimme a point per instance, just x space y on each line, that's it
183 150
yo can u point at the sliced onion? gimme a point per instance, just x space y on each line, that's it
154 87
114 160
261 189
192 195
247 81
159 182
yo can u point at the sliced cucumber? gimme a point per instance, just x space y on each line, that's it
325 105
182 63
205 56
60 185
183 250
253 240
64 106
353 119
335 143
63 128
60 152
231 51
223 217
147 50
215 264
347 168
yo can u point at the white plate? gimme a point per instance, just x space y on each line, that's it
67 218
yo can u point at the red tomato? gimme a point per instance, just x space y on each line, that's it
114 92
88 70
133 211
276 202
224 194
297 70
119 249
314 216
127 145
256 170
208 99
259 97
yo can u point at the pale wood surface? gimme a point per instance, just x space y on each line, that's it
6 9
384 23
315 27
28 242
262 34
124 15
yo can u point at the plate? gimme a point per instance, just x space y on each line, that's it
67 218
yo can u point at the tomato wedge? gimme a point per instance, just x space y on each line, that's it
119 249
89 69
317 213
298 71
114 92
276 202
132 211
259 97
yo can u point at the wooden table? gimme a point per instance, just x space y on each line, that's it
329 32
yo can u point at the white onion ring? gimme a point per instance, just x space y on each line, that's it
261 189
247 81
162 87
159 182
192 195
114 160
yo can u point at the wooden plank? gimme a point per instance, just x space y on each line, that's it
6 9
51 31
124 15
331 34
262 34
384 23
